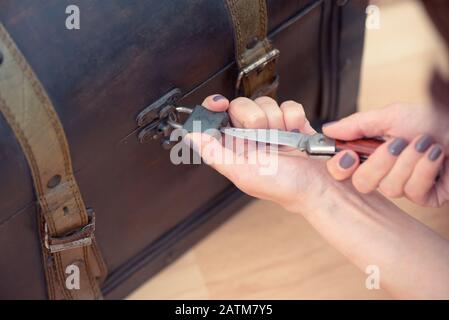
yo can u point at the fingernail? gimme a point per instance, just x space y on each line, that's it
295 130
424 143
346 161
435 153
218 97
395 148
328 124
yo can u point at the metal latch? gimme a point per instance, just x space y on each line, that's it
160 118
156 121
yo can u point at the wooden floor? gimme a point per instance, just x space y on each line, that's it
265 252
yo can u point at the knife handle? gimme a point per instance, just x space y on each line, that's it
363 147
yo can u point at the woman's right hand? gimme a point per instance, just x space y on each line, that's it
412 163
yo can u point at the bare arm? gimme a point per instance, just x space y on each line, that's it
370 230
367 228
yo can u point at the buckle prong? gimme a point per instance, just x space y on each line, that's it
257 65
79 238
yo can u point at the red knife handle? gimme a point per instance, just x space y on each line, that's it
363 147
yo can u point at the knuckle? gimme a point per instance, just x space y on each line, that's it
255 120
366 121
390 191
294 111
266 101
290 104
240 101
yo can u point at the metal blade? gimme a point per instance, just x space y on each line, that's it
272 136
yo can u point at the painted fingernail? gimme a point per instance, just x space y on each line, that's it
435 153
328 124
346 161
423 143
295 130
395 148
218 97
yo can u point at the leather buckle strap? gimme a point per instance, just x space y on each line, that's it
75 239
255 56
269 84
64 222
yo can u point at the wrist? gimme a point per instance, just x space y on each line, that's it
326 196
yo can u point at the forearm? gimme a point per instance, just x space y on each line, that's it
370 230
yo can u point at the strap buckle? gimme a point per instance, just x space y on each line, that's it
258 65
75 239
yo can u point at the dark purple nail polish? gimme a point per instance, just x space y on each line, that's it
395 148
295 130
435 153
423 143
346 161
218 97
328 124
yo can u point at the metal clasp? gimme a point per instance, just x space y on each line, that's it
75 239
157 120
174 122
256 66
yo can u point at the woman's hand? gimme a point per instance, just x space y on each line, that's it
412 163
413 261
286 177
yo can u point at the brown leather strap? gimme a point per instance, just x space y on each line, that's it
65 225
256 57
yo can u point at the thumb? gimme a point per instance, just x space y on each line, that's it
216 103
209 148
215 155
358 125
343 164
205 145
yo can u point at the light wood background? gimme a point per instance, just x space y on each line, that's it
265 252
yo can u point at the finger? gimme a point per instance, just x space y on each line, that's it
216 103
233 166
343 164
424 175
362 124
392 185
441 195
214 154
295 117
245 113
368 176
272 111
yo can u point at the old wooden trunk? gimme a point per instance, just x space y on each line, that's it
126 55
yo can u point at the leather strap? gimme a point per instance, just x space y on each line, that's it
255 56
65 226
